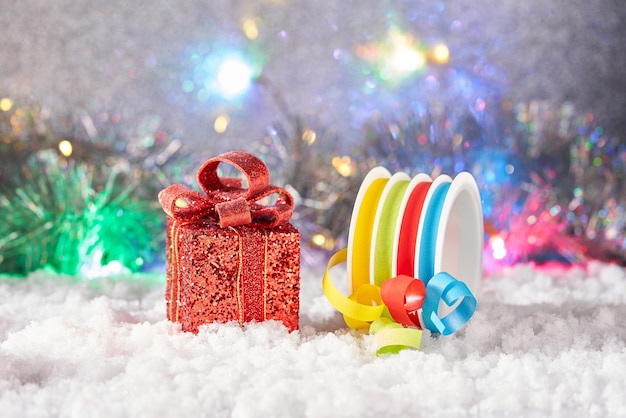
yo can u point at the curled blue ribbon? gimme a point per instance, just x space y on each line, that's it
443 286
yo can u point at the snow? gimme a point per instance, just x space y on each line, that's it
544 341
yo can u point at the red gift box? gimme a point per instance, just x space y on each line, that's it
229 257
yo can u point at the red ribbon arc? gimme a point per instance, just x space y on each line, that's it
225 199
404 295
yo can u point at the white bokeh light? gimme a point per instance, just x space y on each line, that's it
234 77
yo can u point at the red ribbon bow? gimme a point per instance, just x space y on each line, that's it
225 199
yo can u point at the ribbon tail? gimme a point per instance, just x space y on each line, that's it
392 337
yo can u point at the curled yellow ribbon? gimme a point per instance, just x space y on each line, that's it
357 308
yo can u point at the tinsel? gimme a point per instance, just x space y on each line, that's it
585 168
551 179
60 218
79 197
320 181
144 155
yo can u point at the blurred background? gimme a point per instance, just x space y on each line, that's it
102 104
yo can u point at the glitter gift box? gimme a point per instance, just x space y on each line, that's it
229 257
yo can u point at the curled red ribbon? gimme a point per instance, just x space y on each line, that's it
404 295
225 199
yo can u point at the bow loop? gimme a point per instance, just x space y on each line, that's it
180 202
226 199
250 166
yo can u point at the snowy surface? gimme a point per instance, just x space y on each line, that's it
543 342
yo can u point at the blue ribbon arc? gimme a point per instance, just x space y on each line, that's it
442 286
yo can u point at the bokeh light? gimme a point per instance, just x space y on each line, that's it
221 71
6 104
234 77
406 59
309 136
221 123
497 247
441 54
323 241
344 165
396 57
250 29
66 148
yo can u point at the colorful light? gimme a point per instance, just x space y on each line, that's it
398 56
6 104
497 247
65 148
220 71
250 29
344 165
221 123
441 54
406 59
234 77
92 267
323 241
309 136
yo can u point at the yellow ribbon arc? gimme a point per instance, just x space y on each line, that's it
354 307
